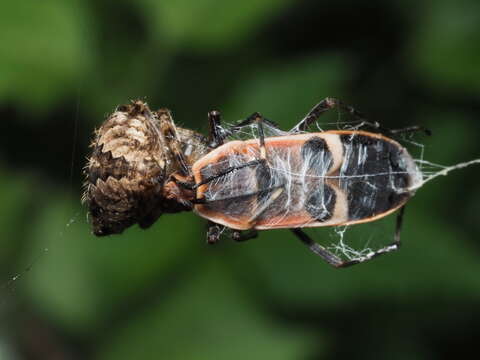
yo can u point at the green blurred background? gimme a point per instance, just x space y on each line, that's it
163 293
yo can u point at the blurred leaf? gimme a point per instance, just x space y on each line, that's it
442 147
59 281
445 50
118 79
16 194
146 254
285 93
6 350
206 24
44 51
208 317
82 280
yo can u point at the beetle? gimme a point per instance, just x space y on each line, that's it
142 166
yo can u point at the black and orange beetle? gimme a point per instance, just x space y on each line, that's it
143 166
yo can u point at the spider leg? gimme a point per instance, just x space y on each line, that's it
257 162
167 128
254 118
336 261
217 136
226 172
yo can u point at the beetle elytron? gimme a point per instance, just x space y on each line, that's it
143 166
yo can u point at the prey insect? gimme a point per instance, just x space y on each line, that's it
142 166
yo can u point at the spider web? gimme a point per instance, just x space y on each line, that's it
8 284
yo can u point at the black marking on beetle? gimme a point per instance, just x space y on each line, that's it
213 169
264 177
236 206
321 203
315 151
402 178
268 180
372 175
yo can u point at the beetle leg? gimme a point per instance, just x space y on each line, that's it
332 103
217 133
252 119
214 231
410 129
407 130
321 108
398 227
336 261
245 235
317 249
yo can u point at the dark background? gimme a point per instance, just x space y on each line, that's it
163 293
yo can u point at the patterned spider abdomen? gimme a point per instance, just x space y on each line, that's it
126 171
307 180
